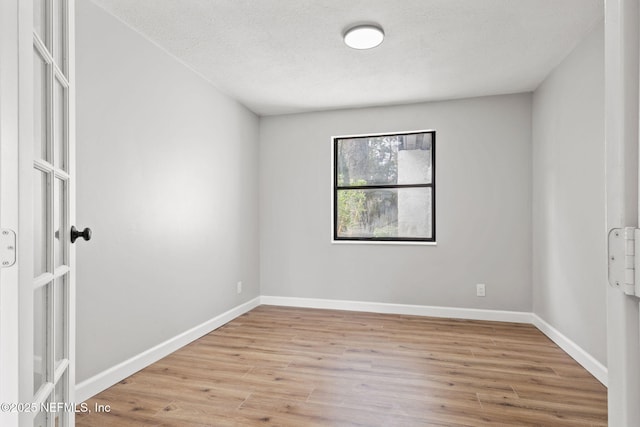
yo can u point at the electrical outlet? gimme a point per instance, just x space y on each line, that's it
480 291
239 287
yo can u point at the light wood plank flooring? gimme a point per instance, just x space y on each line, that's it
304 367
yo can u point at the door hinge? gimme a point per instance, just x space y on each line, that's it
7 248
622 248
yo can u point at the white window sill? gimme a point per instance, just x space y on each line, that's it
367 242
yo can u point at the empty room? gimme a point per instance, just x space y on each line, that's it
319 213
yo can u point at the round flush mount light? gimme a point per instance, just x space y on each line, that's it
363 36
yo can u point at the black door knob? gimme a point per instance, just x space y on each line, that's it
75 233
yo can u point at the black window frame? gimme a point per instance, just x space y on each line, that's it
336 188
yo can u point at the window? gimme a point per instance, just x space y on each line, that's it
384 187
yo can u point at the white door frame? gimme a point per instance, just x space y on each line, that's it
9 137
621 134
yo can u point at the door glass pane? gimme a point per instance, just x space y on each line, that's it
40 107
59 326
59 226
40 19
40 420
40 190
60 396
59 125
59 53
40 300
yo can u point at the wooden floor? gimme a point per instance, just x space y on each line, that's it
303 367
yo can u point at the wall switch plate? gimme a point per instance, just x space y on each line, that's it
239 287
480 291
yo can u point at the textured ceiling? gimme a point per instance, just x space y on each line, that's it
283 56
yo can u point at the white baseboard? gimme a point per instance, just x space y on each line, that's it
413 310
587 361
94 385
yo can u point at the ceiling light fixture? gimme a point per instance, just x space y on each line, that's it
363 36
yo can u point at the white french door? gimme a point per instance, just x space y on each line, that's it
51 169
37 299
9 132
622 75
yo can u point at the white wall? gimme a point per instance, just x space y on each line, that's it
483 166
167 180
569 242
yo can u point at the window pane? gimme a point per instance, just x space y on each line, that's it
59 53
60 396
59 124
414 212
385 160
60 307
40 190
40 420
40 299
40 107
384 213
414 161
58 222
